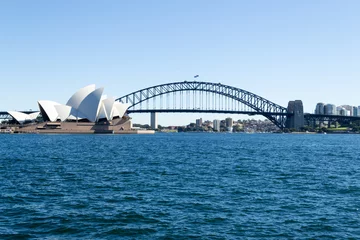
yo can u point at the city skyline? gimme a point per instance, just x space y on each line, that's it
279 50
331 109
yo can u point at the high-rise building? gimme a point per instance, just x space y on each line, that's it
320 108
229 124
330 109
338 110
199 122
216 124
341 111
355 111
349 109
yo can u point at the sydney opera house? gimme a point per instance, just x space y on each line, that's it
87 111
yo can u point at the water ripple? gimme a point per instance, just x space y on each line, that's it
180 186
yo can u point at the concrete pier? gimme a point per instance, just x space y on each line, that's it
117 126
153 121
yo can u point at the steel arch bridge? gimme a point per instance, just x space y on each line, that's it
207 97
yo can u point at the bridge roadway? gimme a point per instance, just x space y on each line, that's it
312 118
307 116
251 113
324 117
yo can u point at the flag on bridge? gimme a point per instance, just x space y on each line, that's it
196 76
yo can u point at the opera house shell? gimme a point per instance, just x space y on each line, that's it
87 104
23 117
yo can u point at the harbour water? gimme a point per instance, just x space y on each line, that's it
180 186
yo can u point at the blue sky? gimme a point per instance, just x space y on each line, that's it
280 50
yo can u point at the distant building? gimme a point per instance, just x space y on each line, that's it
349 109
320 108
330 109
341 111
216 124
229 124
199 122
208 123
338 110
355 111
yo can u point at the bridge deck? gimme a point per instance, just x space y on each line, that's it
205 111
324 117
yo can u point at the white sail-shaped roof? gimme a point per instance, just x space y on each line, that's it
75 115
108 104
101 110
80 95
90 105
49 108
119 109
34 115
63 111
102 113
22 117
114 113
87 103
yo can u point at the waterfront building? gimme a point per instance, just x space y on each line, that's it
349 109
86 105
216 124
320 108
355 111
199 122
338 110
330 109
341 111
229 124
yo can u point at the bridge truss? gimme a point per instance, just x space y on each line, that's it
203 97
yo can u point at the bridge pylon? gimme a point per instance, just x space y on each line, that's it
153 120
295 119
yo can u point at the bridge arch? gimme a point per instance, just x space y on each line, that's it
272 111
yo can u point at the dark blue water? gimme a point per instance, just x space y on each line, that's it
180 186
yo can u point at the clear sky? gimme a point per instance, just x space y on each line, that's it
281 50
